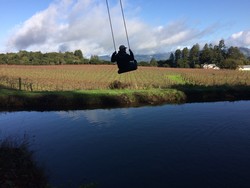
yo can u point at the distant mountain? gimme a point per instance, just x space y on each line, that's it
164 56
245 51
147 58
144 57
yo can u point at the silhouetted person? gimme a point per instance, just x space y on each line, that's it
125 62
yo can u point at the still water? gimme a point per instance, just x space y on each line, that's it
198 145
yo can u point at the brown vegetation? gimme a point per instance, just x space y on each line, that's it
86 77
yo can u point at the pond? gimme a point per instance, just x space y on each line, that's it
190 145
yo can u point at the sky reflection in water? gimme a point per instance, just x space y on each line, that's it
190 145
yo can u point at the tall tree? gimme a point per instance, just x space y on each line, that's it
233 59
185 55
172 60
223 48
153 62
94 59
206 55
234 53
194 55
79 54
3 59
218 56
177 56
222 45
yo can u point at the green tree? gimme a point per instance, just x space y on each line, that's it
230 63
172 60
235 53
153 62
94 59
79 54
219 53
222 45
163 63
194 56
13 59
206 56
182 63
70 58
3 59
177 55
233 59
218 56
143 63
184 57
25 60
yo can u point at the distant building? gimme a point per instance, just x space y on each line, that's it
244 67
210 66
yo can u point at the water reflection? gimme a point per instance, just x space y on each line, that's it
96 117
190 145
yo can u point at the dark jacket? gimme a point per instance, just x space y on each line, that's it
122 58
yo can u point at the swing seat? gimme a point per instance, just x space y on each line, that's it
131 67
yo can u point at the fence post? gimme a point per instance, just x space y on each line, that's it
20 83
31 89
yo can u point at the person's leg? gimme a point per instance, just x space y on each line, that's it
135 62
133 65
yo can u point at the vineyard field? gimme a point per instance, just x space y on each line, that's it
89 77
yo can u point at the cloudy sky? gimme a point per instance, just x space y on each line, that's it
153 25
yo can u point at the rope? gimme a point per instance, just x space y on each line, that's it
124 23
111 27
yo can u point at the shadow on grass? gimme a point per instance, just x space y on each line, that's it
196 93
14 100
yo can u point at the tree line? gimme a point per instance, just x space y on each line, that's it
220 55
51 58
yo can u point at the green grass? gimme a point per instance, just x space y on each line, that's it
178 79
109 98
82 99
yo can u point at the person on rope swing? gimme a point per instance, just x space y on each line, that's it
125 62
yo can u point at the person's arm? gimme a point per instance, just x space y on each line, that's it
131 55
113 57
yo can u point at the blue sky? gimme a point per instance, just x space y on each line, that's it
153 25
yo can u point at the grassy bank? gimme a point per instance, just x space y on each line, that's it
83 99
86 99
99 86
225 92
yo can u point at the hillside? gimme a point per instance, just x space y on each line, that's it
143 57
245 51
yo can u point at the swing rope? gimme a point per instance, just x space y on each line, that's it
124 22
111 27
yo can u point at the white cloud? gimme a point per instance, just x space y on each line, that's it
241 38
102 117
67 25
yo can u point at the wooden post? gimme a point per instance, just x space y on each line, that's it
31 89
20 83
